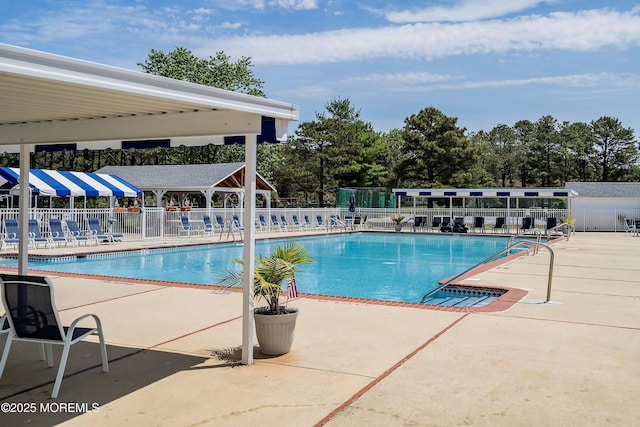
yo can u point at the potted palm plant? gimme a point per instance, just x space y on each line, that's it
275 323
397 221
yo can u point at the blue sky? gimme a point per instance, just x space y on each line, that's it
485 62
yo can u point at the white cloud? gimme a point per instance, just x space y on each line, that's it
416 77
571 80
295 4
262 4
231 25
419 81
465 10
582 31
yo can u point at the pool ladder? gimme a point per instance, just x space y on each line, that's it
231 231
509 249
533 231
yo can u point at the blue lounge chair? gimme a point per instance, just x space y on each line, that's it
220 223
283 222
630 226
320 223
276 223
237 224
76 236
263 222
186 228
96 230
296 223
56 234
208 226
35 236
11 236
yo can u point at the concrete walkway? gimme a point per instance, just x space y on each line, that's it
174 352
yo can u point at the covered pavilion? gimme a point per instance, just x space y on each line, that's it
48 99
182 180
71 184
511 195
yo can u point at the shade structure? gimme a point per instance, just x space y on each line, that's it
67 183
49 99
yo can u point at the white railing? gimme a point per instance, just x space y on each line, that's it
151 222
380 218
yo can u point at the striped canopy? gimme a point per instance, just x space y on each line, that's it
66 183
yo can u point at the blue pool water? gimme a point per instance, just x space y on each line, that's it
394 267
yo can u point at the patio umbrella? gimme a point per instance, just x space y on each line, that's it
352 202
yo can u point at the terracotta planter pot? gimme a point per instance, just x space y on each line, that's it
275 333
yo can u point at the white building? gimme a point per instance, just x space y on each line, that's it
602 206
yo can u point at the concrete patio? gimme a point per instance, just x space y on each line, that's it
174 353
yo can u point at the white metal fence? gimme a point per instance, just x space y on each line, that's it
150 223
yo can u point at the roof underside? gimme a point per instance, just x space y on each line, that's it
46 98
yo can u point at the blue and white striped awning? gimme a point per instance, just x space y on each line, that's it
67 183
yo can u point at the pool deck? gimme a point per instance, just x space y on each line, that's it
174 352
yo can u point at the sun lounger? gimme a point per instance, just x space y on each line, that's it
500 224
35 236
186 228
56 233
11 236
236 223
436 222
96 230
478 224
296 223
76 236
277 225
528 223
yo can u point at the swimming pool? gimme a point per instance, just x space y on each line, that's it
385 266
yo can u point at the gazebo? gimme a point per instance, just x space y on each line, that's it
208 179
48 99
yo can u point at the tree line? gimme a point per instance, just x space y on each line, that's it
339 149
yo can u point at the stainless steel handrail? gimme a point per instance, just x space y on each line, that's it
495 256
568 229
231 231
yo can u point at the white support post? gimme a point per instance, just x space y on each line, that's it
23 213
249 216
